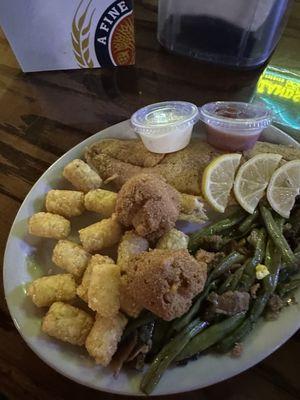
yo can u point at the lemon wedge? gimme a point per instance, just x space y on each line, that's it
218 178
252 179
283 188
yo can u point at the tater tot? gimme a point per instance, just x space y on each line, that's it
82 176
49 225
102 234
103 339
68 203
82 289
130 245
127 304
49 289
67 323
71 257
173 240
101 201
104 289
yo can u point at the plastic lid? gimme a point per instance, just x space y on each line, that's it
160 117
235 115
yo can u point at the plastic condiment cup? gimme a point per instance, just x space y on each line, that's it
165 127
234 126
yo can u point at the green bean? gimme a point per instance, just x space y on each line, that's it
179 323
226 284
286 288
237 275
246 326
236 235
273 263
158 339
214 229
168 354
248 276
276 235
248 222
134 324
210 336
225 265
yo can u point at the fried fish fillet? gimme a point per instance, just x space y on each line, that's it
130 151
182 169
122 159
288 153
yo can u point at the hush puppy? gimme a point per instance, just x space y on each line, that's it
165 281
149 204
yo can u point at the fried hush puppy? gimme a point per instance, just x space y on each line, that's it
165 281
148 204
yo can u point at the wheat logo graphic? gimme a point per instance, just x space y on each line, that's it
81 36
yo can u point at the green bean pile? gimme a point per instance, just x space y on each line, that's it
259 239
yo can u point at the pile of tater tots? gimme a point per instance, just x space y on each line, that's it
140 219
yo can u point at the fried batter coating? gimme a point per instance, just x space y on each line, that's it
165 281
148 204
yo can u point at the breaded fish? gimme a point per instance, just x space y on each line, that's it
122 159
130 151
182 169
288 153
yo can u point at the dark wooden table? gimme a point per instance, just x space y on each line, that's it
42 115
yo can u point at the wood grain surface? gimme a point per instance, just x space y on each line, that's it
42 115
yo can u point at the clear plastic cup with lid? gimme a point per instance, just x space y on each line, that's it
234 126
165 127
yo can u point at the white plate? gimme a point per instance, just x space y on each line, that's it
72 361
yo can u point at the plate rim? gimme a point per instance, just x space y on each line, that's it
82 145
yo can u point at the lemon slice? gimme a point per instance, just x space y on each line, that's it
283 188
252 179
218 178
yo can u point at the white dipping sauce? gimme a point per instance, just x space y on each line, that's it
165 127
